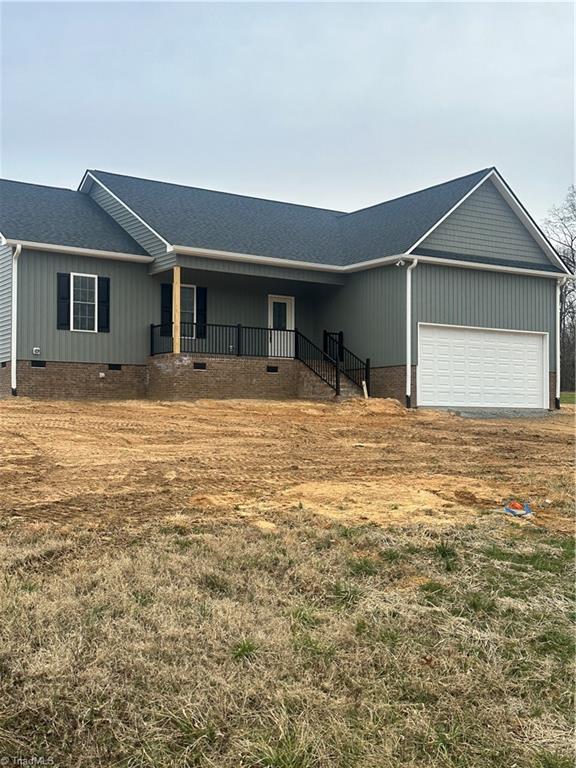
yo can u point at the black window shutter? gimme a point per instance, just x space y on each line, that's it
166 309
201 312
63 301
104 304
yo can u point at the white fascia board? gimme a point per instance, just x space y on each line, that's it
98 254
94 180
491 267
349 268
289 263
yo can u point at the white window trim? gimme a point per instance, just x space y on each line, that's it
95 278
187 285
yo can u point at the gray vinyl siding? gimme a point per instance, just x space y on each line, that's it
484 299
370 309
259 270
485 225
143 236
5 301
233 299
134 304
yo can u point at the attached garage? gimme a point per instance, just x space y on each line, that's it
481 367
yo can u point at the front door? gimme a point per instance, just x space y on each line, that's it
281 325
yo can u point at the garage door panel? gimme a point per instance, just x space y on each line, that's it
483 368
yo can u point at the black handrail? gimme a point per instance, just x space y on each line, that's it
324 366
356 369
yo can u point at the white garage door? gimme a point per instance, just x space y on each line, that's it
460 366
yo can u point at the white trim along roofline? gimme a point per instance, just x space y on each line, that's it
89 175
358 266
94 252
516 206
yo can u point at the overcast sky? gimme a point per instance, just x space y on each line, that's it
336 105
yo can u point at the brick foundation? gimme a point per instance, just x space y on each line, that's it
69 381
169 377
391 382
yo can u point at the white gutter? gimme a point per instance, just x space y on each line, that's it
357 267
13 329
409 332
559 285
92 252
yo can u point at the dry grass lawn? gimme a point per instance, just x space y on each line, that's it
284 585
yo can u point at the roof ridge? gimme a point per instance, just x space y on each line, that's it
218 191
35 184
419 191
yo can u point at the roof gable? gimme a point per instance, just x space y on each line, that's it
486 226
201 218
52 215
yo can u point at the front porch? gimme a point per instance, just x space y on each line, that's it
197 307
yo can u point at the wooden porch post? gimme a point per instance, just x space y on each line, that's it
176 310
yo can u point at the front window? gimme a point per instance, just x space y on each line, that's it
187 310
84 302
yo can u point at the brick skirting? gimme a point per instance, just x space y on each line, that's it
170 377
70 381
391 382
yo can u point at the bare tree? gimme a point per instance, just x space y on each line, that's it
560 226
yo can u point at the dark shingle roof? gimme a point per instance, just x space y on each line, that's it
219 221
60 217
189 216
393 227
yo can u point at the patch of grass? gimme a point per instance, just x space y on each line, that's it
433 591
215 583
552 760
245 649
538 559
362 566
391 555
568 398
304 617
480 603
555 642
284 752
447 554
344 595
143 597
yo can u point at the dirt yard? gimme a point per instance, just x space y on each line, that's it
98 463
284 585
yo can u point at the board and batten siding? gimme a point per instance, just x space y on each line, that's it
453 296
143 236
134 304
233 299
5 301
485 225
370 308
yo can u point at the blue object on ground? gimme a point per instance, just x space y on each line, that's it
524 512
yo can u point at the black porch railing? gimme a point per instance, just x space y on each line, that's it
252 341
352 366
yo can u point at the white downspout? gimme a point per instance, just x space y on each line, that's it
409 333
559 284
14 329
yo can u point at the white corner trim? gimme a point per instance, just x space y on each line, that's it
451 211
96 180
93 252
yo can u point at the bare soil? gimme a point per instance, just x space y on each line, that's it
67 463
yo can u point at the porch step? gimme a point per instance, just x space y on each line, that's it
311 387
